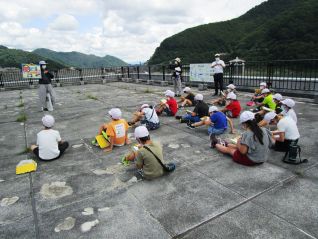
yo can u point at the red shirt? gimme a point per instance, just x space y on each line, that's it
235 108
173 105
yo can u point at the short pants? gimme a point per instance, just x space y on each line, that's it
243 159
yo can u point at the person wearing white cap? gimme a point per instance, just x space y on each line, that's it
268 104
287 132
115 131
45 86
201 109
278 101
144 156
168 106
187 100
222 100
49 145
253 147
233 108
176 75
218 65
147 116
258 97
287 109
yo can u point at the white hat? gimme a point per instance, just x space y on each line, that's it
231 96
169 93
213 108
187 89
42 63
48 121
264 91
144 106
178 59
217 54
231 86
115 113
269 116
278 97
289 102
141 131
246 116
198 97
263 84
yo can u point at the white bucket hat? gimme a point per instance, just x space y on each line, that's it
187 89
289 102
178 59
264 91
115 113
269 116
213 108
48 121
231 96
278 97
144 106
198 97
263 84
169 93
217 54
231 86
246 116
141 131
42 63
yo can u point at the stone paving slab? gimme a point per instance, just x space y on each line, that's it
208 196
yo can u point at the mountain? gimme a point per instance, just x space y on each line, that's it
275 29
14 58
77 59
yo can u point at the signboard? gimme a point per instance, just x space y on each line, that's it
201 72
31 71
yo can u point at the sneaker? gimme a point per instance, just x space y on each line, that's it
45 109
189 125
213 140
178 117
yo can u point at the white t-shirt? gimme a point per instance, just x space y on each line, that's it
291 113
47 140
148 112
288 125
218 66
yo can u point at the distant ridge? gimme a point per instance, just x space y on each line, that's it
80 60
275 29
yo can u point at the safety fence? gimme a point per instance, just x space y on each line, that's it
298 75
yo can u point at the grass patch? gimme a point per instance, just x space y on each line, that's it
92 97
22 118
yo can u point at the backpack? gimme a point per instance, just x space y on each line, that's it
292 155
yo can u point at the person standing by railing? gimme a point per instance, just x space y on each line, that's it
45 86
176 76
218 65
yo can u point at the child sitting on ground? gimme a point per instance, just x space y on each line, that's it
187 100
116 131
233 109
169 105
201 109
147 116
146 162
253 146
287 109
222 100
49 145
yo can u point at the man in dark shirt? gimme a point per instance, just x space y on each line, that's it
201 109
45 86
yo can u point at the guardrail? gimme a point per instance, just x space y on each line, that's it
296 75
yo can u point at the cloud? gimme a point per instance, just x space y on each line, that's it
64 22
127 29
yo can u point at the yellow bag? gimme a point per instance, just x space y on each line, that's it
26 166
102 142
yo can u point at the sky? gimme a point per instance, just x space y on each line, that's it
128 29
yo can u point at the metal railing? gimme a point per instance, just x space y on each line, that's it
295 75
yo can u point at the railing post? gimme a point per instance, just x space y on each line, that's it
137 72
163 73
1 81
122 72
149 72
81 76
128 74
269 74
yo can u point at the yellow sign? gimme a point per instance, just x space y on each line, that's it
31 71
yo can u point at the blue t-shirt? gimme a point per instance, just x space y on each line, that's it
219 120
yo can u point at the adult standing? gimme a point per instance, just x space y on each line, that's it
45 86
218 65
176 76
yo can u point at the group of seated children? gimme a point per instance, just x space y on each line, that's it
252 147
